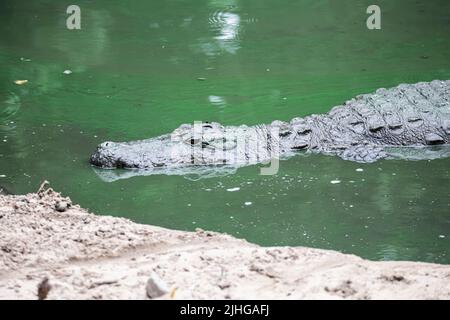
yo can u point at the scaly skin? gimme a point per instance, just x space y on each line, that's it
359 130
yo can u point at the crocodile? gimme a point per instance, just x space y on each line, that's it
363 129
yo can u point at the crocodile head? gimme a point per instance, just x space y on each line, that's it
188 145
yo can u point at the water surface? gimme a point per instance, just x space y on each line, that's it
136 69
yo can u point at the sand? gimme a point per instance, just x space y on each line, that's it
53 249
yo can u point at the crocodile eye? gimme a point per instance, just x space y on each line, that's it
194 141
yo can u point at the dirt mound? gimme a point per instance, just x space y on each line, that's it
53 249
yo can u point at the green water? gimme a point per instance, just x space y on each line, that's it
135 75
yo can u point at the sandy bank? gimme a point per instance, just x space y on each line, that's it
85 256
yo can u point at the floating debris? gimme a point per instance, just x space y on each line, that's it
248 203
25 59
67 71
441 236
201 79
21 82
233 189
335 181
2 175
359 170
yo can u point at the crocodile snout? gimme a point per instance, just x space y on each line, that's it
104 156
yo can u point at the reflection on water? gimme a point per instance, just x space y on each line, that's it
225 26
189 173
11 144
217 101
388 253
9 106
419 153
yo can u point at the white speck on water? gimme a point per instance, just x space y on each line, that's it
351 206
2 176
267 69
335 181
4 140
248 203
441 236
208 189
67 71
359 170
189 204
394 174
154 25
233 189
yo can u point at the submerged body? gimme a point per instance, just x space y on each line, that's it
362 130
